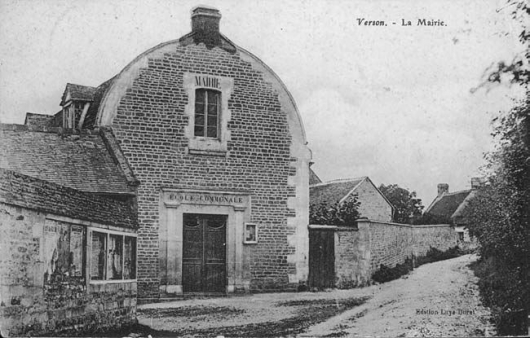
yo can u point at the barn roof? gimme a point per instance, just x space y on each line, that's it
333 191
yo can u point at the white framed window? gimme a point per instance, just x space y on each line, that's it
112 256
208 113
251 233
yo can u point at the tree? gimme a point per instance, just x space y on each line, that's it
345 213
500 213
406 205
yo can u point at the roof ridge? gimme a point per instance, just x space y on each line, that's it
44 129
339 180
456 192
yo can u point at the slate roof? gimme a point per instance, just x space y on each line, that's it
78 92
79 161
333 191
447 204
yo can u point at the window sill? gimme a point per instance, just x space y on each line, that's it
112 281
207 146
207 152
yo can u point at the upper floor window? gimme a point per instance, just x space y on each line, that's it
207 113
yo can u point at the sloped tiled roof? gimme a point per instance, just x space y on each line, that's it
313 178
32 193
78 161
447 204
38 120
90 119
78 92
333 191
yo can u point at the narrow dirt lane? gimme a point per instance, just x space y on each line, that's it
437 299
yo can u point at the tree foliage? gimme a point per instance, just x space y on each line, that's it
499 217
517 70
406 205
345 213
500 212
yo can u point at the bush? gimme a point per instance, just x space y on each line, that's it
386 274
501 291
345 213
435 255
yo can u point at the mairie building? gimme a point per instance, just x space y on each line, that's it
211 153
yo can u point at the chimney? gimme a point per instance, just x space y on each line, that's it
443 188
475 182
205 25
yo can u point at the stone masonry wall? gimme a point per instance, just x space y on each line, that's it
32 302
440 236
360 252
150 126
391 244
352 258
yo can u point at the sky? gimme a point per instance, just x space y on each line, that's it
391 102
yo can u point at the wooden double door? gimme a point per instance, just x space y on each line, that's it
204 253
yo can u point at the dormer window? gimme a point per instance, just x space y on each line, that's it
207 113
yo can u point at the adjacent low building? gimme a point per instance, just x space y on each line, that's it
373 204
68 259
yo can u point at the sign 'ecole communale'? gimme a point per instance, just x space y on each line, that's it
205 198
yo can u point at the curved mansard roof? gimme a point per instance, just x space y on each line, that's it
117 87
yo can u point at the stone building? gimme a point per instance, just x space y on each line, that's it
373 204
451 207
210 143
68 244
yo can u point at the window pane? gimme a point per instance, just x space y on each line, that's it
114 261
212 132
199 131
97 268
212 121
199 120
199 96
129 266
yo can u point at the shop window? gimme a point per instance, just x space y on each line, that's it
113 256
207 113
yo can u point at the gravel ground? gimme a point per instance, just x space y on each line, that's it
437 299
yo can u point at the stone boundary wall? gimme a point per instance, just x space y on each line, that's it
439 236
37 295
360 251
